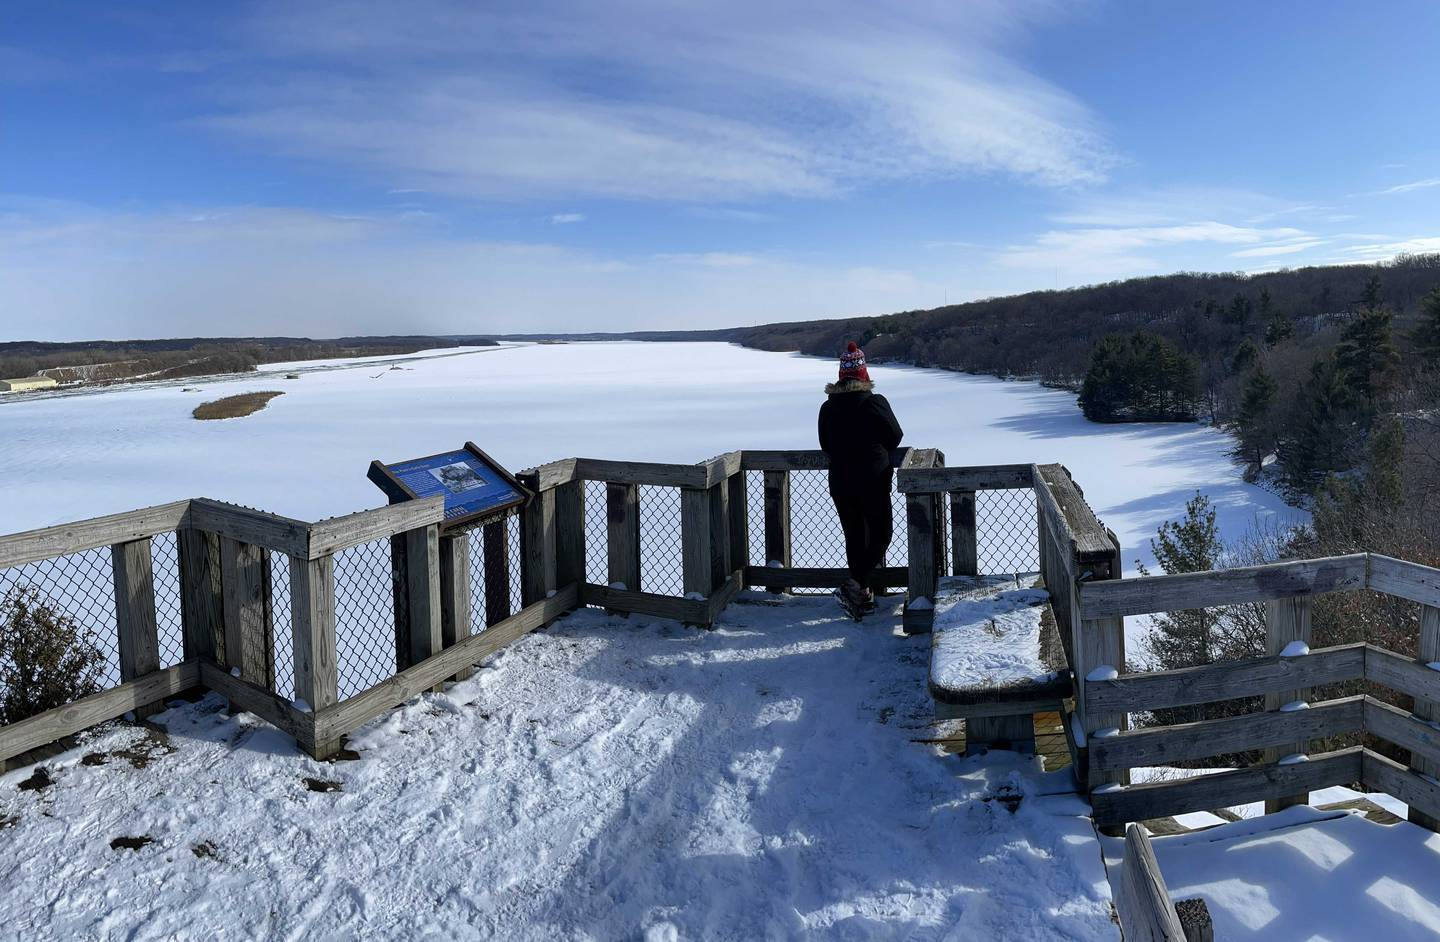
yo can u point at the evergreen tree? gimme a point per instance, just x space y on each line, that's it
1278 330
1371 296
1139 377
1427 333
1320 436
1366 354
1256 425
1240 311
1247 355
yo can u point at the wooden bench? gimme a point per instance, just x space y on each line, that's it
996 659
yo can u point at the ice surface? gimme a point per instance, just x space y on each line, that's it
608 778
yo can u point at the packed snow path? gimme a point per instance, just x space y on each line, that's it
607 778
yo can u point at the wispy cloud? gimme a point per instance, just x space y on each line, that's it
1288 247
1410 187
1380 251
561 219
1105 252
643 99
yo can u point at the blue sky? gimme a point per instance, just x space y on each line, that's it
329 167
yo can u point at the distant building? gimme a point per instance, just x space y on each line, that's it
27 383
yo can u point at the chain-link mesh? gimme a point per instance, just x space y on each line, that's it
755 515
364 617
1006 537
816 540
662 562
165 570
80 587
515 555
281 622
597 534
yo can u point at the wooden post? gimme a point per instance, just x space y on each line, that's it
1286 620
719 536
245 593
1428 710
739 522
919 614
312 628
400 599
777 521
497 571
941 534
455 594
537 548
622 535
965 558
695 540
422 584
139 637
569 533
1142 900
201 616
1101 647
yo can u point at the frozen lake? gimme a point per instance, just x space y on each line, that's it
69 457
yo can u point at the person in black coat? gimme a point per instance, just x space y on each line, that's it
858 431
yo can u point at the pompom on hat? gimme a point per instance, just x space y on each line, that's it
852 364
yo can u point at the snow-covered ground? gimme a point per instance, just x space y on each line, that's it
1308 875
606 779
69 457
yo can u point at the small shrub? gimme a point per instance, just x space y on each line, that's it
46 660
232 407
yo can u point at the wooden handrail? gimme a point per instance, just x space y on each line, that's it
1151 594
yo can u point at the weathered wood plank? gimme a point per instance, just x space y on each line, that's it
819 578
964 552
1066 507
1222 587
245 594
340 533
622 539
1142 900
739 503
689 611
721 468
139 639
1100 646
1183 742
1401 673
497 572
312 629
337 720
1286 621
1406 579
696 546
256 527
251 698
422 574
641 472
1427 709
1224 789
201 613
721 597
933 480
554 474
802 460
924 575
1000 707
1420 793
537 547
22 736
570 533
719 536
455 617
777 526
1229 680
1403 729
31 546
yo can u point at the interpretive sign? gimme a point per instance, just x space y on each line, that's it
474 485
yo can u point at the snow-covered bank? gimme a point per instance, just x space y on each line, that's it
608 778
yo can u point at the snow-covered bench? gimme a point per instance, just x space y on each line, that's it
996 658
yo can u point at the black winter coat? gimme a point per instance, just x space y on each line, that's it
858 431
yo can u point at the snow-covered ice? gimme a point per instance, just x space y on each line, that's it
607 778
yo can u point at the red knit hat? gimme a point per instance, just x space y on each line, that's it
852 364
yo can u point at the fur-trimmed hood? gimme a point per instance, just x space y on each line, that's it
848 386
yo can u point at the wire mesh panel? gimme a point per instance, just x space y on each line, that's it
79 587
364 617
662 562
597 534
1006 537
755 515
281 624
512 547
816 540
165 570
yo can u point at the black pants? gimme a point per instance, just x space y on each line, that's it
864 511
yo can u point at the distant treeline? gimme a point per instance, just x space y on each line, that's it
1301 363
102 361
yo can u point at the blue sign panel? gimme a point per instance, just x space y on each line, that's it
469 484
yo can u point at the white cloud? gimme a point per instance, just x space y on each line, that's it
1108 252
561 219
1410 187
1381 251
645 99
1291 247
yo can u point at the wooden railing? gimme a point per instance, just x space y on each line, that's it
1289 724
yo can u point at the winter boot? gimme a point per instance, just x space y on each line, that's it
853 598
